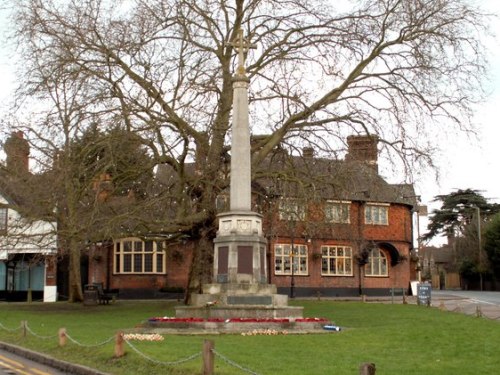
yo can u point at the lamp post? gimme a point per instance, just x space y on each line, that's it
480 257
292 265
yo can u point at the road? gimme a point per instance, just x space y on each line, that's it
486 304
492 298
11 364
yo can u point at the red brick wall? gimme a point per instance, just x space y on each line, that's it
314 233
177 270
355 234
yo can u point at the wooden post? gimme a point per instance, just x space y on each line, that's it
479 313
24 326
62 336
119 349
363 298
208 358
442 307
367 369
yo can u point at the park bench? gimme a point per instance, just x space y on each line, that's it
97 293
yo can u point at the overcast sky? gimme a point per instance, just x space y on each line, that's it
464 163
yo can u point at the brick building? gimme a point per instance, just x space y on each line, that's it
28 245
351 232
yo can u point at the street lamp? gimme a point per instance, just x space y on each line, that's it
480 257
292 264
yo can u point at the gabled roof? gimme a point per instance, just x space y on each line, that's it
330 179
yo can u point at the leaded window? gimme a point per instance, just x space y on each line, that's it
337 212
377 263
284 258
377 214
336 260
133 255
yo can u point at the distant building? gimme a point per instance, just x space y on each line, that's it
439 265
334 228
27 246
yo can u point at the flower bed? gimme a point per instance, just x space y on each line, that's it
167 319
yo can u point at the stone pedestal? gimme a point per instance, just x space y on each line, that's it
240 288
240 249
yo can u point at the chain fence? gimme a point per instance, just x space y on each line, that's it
234 364
89 345
172 363
10 329
27 329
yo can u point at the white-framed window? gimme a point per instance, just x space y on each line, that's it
377 214
133 255
377 263
4 214
338 212
336 260
292 209
284 258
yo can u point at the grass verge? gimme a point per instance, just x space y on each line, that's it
399 339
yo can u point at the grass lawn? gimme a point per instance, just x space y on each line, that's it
399 339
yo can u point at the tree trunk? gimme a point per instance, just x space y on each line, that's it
201 268
75 278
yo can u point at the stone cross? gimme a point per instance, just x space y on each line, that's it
242 45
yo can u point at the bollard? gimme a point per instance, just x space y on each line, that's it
62 336
208 358
318 295
367 369
363 298
442 307
119 348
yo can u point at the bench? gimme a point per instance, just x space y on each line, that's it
102 297
98 293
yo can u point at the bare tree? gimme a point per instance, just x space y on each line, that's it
163 69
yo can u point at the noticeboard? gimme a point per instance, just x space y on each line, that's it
424 294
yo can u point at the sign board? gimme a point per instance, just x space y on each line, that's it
424 294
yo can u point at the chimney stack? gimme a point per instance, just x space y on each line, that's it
363 148
308 152
17 150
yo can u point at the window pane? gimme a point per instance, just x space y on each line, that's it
148 246
138 263
127 246
287 265
3 219
127 263
332 266
324 265
383 215
138 246
368 215
278 265
148 263
348 267
117 263
159 262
